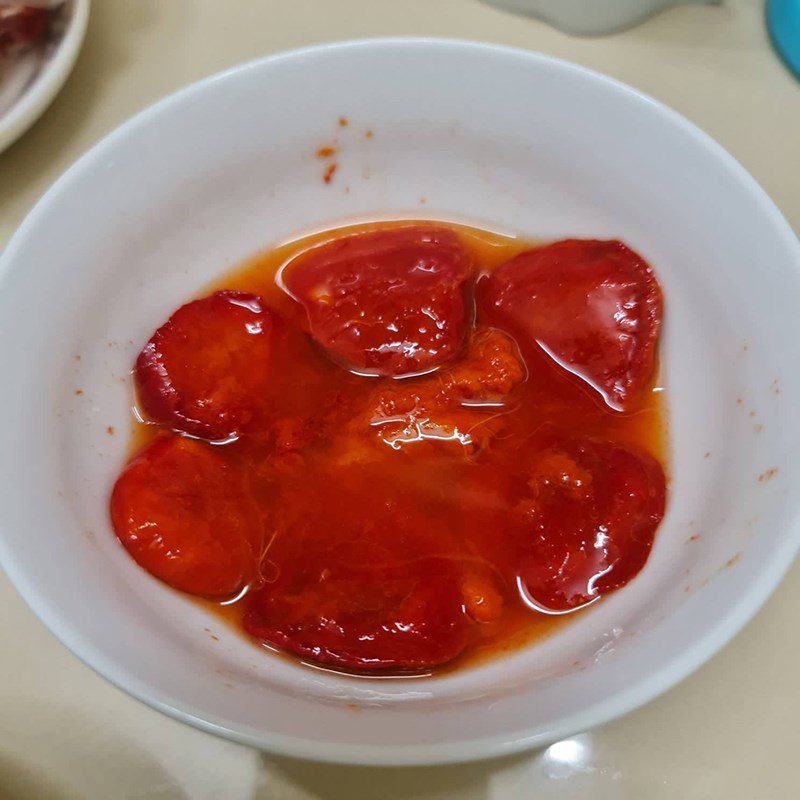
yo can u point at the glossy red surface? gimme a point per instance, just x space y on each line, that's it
185 514
385 302
593 306
407 522
205 370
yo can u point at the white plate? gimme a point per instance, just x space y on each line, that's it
41 82
499 137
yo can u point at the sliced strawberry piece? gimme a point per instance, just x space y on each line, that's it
183 513
364 580
387 302
593 306
206 370
588 521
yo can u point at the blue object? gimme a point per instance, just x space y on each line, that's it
783 24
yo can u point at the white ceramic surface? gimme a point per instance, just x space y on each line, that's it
592 17
226 167
45 81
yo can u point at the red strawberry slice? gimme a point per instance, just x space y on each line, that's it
387 302
364 580
182 511
593 306
206 370
587 524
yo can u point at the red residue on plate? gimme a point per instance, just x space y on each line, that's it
732 560
327 176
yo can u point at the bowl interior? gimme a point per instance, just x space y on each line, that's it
498 138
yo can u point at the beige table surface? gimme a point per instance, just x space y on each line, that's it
730 731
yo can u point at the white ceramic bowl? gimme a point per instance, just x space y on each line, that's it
503 138
48 80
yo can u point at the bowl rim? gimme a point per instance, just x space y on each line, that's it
729 623
48 83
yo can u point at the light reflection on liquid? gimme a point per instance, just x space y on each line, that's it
416 429
532 604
